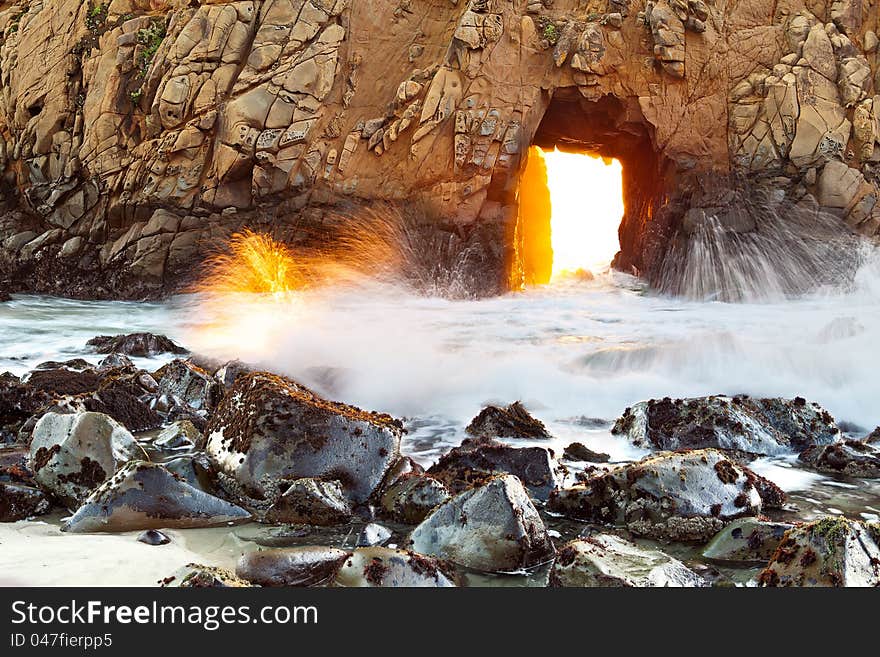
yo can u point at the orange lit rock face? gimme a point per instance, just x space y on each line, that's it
135 139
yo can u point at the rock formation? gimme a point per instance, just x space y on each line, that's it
137 134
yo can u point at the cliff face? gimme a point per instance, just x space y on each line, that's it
136 134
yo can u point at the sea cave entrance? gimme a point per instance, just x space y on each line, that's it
587 192
571 206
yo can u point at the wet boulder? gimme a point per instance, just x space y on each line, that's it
195 469
747 540
494 527
189 384
228 373
199 576
311 501
743 424
384 567
685 496
116 362
271 429
580 452
19 502
512 421
827 552
135 344
372 535
853 458
71 454
145 495
412 498
297 566
179 435
605 560
18 402
20 498
479 459
70 378
154 537
121 396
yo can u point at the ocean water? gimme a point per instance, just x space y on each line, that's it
577 353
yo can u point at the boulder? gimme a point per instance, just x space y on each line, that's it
493 527
744 424
271 429
135 344
196 469
853 458
747 540
189 384
145 495
311 501
606 560
228 373
684 496
179 435
62 380
18 402
116 361
580 452
832 551
384 567
297 566
373 535
19 502
154 537
199 576
121 395
513 421
412 498
479 459
71 455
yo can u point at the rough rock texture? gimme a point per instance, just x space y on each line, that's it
311 502
413 497
135 344
143 495
384 567
747 540
179 435
268 429
513 421
580 452
744 424
607 560
848 457
828 552
18 502
199 576
299 566
18 401
673 495
494 527
477 460
372 535
136 134
71 455
188 384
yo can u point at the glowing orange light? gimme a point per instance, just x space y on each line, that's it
254 263
586 198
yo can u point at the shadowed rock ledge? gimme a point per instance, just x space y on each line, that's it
136 135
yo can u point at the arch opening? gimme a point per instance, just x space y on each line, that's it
588 192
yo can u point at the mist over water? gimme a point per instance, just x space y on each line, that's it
573 352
